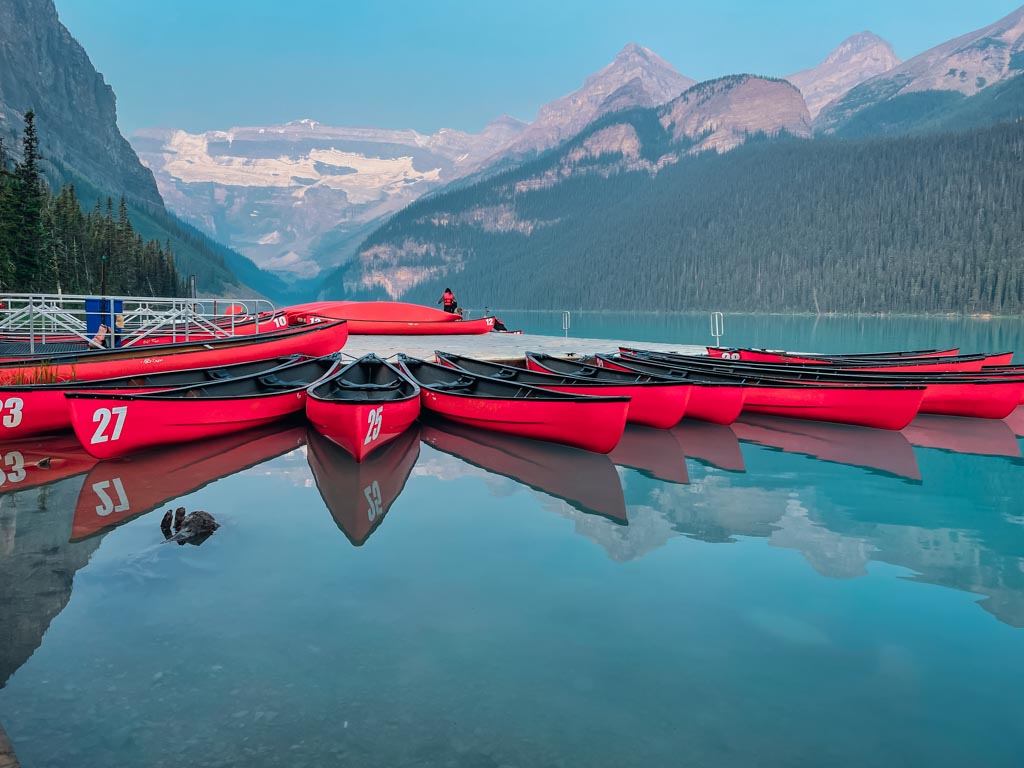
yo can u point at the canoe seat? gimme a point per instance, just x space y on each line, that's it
218 374
462 383
506 373
346 384
587 371
272 381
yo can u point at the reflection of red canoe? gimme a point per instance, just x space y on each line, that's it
713 444
103 364
116 491
974 436
652 402
31 462
586 481
840 443
591 423
364 405
359 494
1016 421
110 425
389 317
654 452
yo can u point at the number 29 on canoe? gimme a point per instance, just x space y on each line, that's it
103 417
374 421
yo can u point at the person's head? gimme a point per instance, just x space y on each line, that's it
447 290
458 311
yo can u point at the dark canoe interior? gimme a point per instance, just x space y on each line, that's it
535 379
169 378
673 357
120 353
681 372
286 379
440 378
577 368
368 379
847 356
814 373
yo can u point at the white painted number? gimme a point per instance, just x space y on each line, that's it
102 417
15 462
373 498
374 420
107 505
280 322
12 411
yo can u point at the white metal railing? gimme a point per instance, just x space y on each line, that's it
39 318
717 327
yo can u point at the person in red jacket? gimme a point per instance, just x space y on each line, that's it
448 300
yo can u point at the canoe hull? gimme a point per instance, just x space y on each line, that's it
590 425
363 427
378 318
984 400
109 427
862 407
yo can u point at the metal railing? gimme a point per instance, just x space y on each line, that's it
39 318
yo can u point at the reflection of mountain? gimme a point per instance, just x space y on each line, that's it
875 449
983 437
588 481
119 490
37 566
359 494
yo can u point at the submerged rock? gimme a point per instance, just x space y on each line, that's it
194 528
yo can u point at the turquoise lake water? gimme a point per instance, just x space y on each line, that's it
776 593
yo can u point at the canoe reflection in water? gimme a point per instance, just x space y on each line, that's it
981 437
359 494
34 461
714 445
654 452
118 490
872 449
587 481
1015 421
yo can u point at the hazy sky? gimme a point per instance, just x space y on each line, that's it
202 64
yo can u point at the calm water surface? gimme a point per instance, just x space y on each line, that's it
776 593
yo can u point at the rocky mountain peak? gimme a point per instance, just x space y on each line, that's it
856 59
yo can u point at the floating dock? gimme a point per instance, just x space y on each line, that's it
499 346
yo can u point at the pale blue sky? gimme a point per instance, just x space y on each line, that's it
202 64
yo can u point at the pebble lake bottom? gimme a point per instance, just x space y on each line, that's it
776 593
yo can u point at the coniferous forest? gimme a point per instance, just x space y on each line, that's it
916 224
48 243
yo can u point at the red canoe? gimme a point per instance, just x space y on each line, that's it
36 461
983 395
956 364
713 402
866 405
873 449
592 423
359 494
780 356
364 405
373 318
653 402
120 490
586 481
242 326
110 425
315 341
33 409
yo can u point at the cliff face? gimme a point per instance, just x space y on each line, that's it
43 68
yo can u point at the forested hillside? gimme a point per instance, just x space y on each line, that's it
930 223
48 243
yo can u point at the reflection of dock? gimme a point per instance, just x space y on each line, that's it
874 449
981 437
